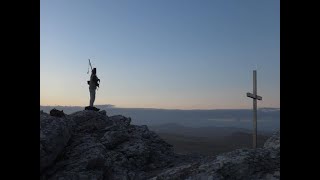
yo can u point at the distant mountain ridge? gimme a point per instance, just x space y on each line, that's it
268 118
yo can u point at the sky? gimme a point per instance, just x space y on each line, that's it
170 54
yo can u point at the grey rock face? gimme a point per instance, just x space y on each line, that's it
91 145
261 163
54 136
273 141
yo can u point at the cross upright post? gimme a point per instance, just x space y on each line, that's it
255 97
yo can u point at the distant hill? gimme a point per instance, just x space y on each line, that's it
211 145
196 131
207 140
210 131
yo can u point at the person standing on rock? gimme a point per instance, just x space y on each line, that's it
93 84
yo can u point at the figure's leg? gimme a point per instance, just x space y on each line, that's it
91 97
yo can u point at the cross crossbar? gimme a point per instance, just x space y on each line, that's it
254 96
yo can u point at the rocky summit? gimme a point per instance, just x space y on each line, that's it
91 145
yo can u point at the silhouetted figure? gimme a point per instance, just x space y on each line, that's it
93 84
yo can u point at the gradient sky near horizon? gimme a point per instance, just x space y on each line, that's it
171 54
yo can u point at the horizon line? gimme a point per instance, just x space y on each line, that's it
113 106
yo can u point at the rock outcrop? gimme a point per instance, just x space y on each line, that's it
55 134
91 145
260 163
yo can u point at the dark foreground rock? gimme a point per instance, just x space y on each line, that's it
90 145
55 134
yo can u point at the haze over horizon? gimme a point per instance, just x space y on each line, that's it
160 54
113 106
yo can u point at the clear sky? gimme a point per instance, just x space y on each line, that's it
172 54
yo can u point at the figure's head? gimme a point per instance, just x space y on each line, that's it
94 71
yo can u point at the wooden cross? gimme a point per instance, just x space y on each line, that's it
255 97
